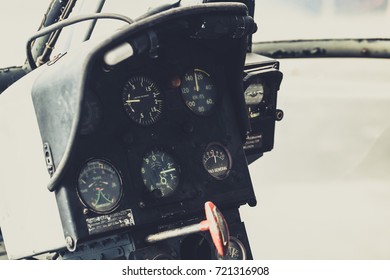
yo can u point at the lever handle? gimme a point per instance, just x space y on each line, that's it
215 223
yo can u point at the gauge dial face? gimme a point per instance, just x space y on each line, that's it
99 186
236 250
160 173
142 100
254 95
198 91
217 161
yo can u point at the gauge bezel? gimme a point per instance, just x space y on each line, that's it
86 205
240 245
256 80
212 77
260 107
227 152
156 84
174 158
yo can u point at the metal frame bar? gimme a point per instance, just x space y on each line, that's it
358 48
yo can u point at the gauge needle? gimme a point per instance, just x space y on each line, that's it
168 170
106 198
196 81
215 159
163 181
133 101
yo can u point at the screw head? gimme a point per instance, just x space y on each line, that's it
69 242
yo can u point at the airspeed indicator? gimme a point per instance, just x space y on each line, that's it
198 91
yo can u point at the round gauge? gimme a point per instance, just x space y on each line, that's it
142 100
198 91
236 250
99 186
217 161
254 95
91 114
160 173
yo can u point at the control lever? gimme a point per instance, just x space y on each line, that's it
215 223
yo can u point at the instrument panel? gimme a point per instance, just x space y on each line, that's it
157 138
147 125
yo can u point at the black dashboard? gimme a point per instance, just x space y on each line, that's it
161 133
153 136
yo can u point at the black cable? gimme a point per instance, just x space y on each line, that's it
65 23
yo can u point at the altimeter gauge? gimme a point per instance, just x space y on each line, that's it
99 186
142 100
160 173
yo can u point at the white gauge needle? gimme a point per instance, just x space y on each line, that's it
196 81
168 170
133 101
163 180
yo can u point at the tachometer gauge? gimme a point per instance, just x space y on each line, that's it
160 173
142 100
217 161
99 186
198 91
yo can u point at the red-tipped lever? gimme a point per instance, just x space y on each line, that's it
215 223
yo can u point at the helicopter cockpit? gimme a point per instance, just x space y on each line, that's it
139 131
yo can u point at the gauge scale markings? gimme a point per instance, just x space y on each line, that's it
142 100
198 91
99 186
217 161
160 173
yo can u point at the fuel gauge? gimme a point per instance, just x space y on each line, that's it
217 161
